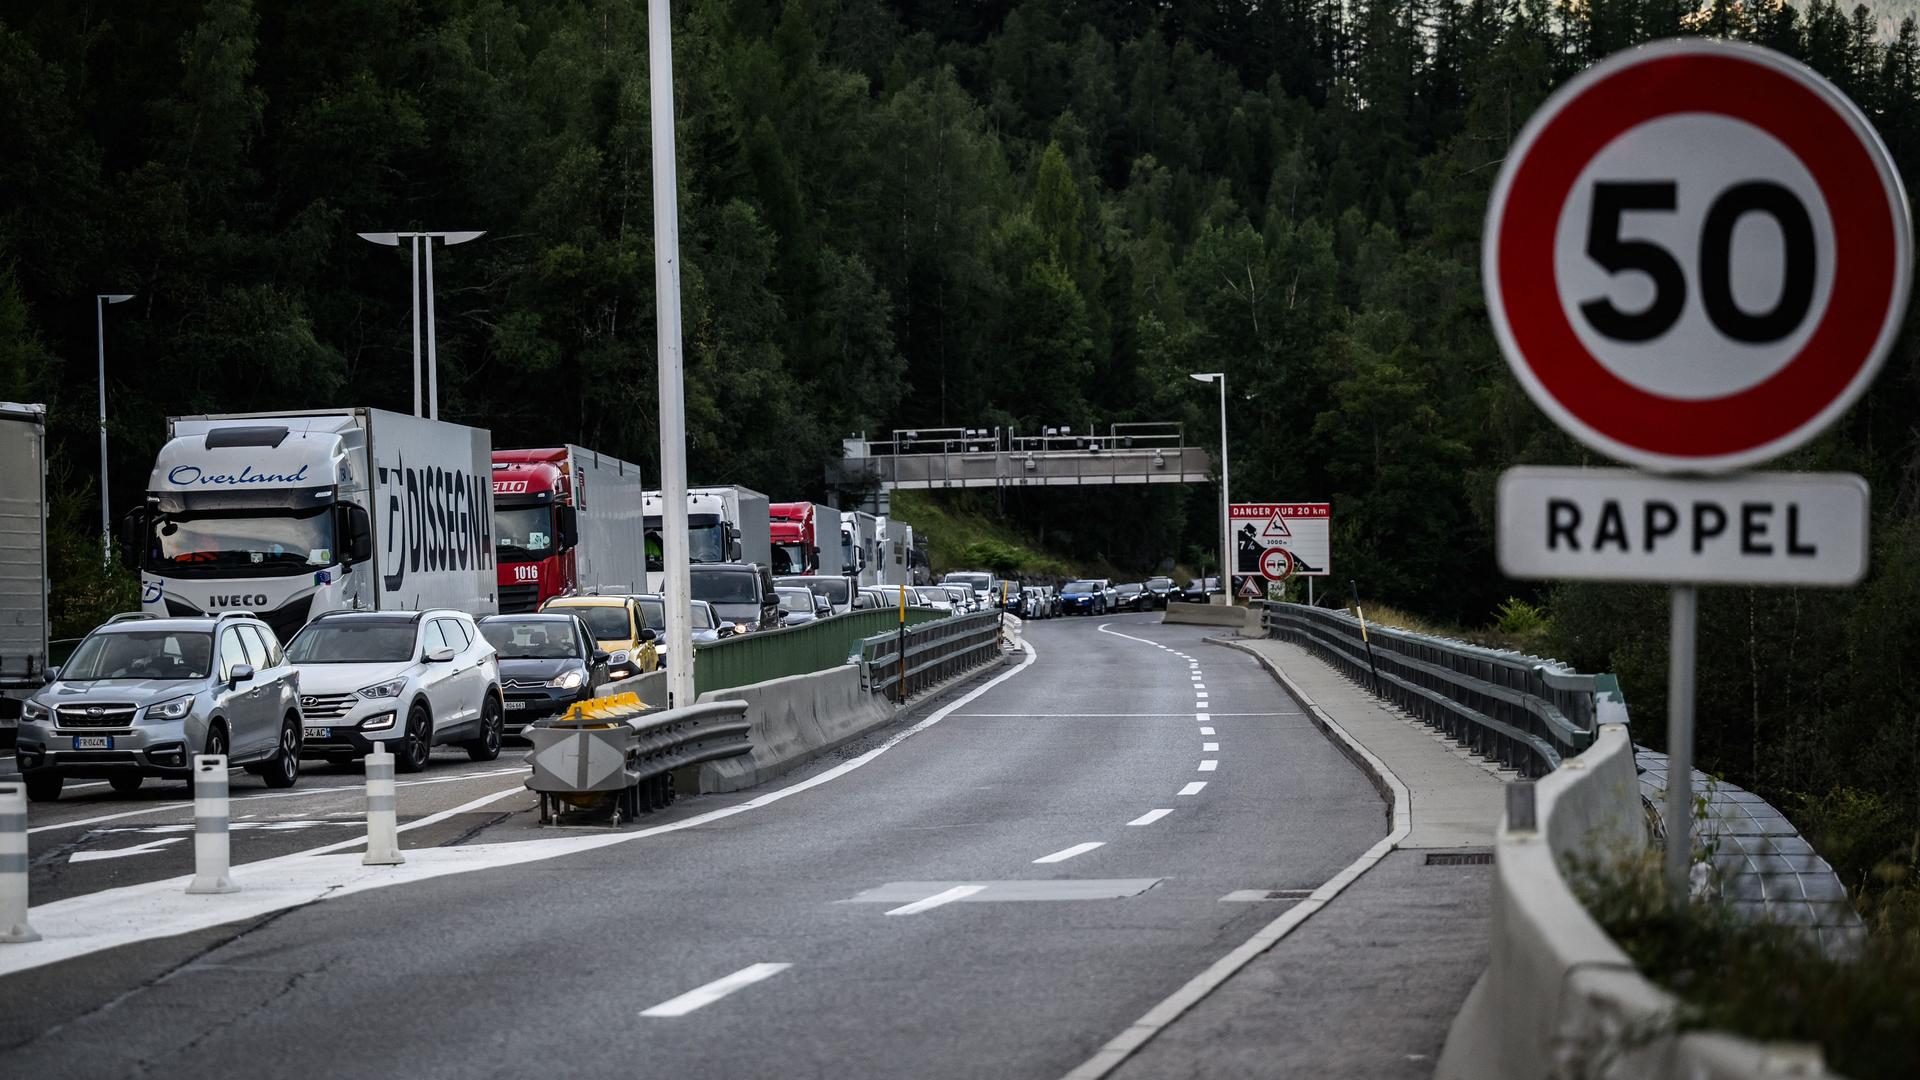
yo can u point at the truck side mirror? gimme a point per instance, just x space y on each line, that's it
568 526
134 530
355 527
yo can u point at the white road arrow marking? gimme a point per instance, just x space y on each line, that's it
147 848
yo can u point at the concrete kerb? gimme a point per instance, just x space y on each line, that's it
1207 614
1400 816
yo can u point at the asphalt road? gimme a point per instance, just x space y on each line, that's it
996 896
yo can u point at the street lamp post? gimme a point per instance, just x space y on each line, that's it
100 302
447 239
1226 526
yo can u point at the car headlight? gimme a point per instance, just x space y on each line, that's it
171 710
569 681
31 712
389 689
618 659
377 723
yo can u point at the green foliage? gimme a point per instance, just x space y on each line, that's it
1517 618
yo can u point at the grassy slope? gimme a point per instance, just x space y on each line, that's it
960 534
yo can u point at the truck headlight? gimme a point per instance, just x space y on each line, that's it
32 712
389 689
569 681
171 710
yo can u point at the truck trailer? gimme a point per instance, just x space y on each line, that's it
23 560
566 521
292 514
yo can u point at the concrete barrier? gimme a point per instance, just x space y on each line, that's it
1209 614
1559 998
794 719
651 688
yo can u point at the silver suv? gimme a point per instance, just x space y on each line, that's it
141 696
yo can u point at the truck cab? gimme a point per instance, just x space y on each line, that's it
535 527
796 547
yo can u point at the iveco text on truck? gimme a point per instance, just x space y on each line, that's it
23 559
724 524
289 515
566 521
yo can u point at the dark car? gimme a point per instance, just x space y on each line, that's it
1198 590
547 663
1131 597
1083 598
1158 590
741 593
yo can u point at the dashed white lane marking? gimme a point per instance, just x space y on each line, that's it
1209 747
706 995
1067 853
1194 788
1201 694
1150 817
958 892
1208 765
1199 704
1199 686
1208 730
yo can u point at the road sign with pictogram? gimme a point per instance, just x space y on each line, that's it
1276 564
1697 255
1301 530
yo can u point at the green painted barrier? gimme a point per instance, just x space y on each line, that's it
795 650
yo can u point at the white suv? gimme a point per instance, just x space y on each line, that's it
410 679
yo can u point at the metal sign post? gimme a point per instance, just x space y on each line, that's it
1696 258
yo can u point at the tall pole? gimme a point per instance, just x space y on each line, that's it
673 410
433 351
106 522
1226 504
413 268
1679 810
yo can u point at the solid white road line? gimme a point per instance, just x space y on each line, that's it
1208 730
1209 747
430 819
715 990
958 892
1150 817
1067 853
1209 765
1194 788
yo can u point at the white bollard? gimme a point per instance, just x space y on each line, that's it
210 853
13 863
383 830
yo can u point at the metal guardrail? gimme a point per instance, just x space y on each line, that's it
1526 712
617 751
794 650
903 663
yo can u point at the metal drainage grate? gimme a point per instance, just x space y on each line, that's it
1459 858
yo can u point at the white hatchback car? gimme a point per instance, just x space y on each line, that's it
410 679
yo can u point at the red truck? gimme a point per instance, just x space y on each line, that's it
797 529
566 521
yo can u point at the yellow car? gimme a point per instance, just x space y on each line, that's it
619 627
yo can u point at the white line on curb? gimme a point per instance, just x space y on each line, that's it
1194 788
1150 817
1067 853
958 892
706 995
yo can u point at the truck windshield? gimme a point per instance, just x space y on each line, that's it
705 543
140 654
523 534
725 587
353 641
790 559
218 545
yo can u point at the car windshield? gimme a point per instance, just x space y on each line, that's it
607 622
702 617
193 544
725 587
795 600
837 590
141 654
933 596
1128 589
1082 587
530 639
523 534
971 581
353 641
1159 583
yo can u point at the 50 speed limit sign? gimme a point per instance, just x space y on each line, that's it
1697 255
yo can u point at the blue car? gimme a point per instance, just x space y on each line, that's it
1084 598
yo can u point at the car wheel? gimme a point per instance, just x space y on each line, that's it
216 747
44 788
417 745
492 724
283 771
126 783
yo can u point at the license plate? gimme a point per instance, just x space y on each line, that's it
93 742
319 733
512 705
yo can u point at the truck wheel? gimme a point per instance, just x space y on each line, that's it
126 783
44 788
283 769
492 723
417 746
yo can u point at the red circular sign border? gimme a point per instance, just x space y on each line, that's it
1796 107
1291 564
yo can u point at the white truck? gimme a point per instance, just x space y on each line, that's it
860 546
23 559
289 515
901 562
725 523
